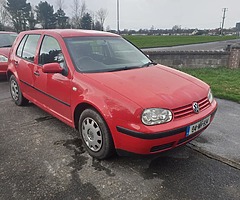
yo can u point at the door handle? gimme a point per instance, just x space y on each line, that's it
36 73
15 63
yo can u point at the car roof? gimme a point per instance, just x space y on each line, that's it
72 32
7 32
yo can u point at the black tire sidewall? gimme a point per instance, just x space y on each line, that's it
107 143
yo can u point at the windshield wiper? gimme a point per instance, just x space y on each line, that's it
6 46
122 68
148 64
133 67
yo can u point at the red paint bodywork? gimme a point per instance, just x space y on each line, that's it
120 97
5 52
4 65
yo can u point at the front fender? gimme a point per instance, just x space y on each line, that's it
112 106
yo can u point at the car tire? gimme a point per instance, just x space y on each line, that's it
95 134
16 93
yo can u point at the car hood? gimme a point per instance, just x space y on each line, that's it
156 86
5 51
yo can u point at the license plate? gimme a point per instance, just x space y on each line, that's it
198 126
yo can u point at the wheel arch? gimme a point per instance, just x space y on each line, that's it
78 111
83 106
11 72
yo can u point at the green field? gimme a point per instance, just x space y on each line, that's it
225 83
146 41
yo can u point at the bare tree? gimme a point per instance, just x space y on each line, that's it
79 10
83 9
4 15
101 16
93 19
60 4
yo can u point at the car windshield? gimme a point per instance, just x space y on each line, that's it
7 39
104 54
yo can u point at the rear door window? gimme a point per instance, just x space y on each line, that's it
29 48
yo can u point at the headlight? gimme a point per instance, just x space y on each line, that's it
153 116
3 58
210 96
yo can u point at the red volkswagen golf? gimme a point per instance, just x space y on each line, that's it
113 94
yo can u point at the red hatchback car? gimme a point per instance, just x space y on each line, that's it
6 41
107 89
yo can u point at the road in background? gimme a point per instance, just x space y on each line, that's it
211 46
42 158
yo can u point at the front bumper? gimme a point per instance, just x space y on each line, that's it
150 143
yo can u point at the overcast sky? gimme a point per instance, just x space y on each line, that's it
162 14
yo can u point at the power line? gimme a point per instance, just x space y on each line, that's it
223 19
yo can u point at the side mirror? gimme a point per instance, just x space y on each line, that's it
52 68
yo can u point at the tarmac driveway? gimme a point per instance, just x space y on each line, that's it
42 158
222 139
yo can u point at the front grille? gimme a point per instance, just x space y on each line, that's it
187 110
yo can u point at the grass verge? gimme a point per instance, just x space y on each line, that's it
150 41
224 82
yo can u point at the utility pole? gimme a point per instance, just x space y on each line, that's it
118 18
224 16
220 28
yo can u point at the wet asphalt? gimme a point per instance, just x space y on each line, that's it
42 158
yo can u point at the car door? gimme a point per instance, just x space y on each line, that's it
54 89
24 63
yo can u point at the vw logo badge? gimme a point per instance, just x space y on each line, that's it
195 107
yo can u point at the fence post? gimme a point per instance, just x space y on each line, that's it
234 58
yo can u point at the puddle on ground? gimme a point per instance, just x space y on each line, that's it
96 164
79 160
42 119
77 188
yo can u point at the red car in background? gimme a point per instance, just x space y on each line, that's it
106 88
6 41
